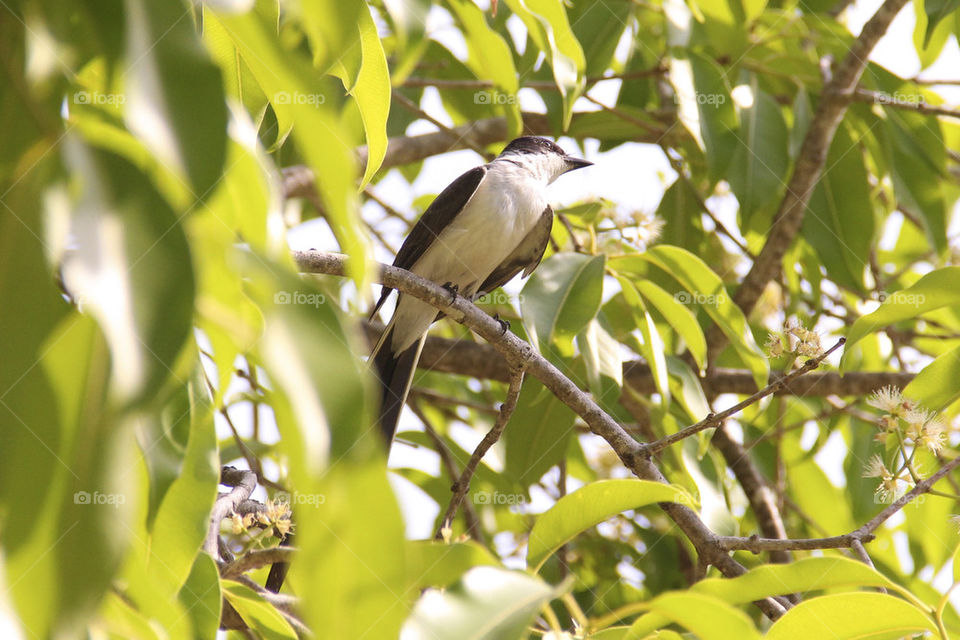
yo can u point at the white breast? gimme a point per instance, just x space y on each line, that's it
503 210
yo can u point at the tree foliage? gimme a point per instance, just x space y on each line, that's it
156 326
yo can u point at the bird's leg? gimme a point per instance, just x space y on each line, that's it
504 324
453 289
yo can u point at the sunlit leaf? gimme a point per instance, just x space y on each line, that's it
487 604
935 290
851 615
590 505
175 100
560 298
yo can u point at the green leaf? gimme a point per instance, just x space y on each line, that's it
121 620
369 86
707 290
679 317
806 574
331 26
87 496
201 597
437 564
184 515
759 165
175 100
936 11
299 97
132 268
602 358
487 604
935 387
934 290
549 28
708 617
598 26
918 166
652 347
839 222
539 430
705 108
560 298
259 615
490 59
591 505
849 616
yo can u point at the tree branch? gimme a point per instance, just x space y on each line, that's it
836 97
462 485
518 353
714 420
477 360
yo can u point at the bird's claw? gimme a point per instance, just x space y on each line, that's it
453 289
504 324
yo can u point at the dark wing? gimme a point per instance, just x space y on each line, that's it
525 257
434 220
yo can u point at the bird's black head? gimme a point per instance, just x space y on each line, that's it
542 157
533 144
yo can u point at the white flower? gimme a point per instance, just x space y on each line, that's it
774 345
876 468
932 434
887 399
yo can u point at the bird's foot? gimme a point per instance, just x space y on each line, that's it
453 289
504 324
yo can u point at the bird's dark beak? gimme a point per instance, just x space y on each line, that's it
576 163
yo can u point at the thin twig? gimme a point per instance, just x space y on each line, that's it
462 485
455 137
474 530
715 419
255 559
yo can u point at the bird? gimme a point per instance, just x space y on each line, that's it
482 230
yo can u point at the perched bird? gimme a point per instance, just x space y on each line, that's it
487 226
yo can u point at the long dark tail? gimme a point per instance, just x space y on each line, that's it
395 372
